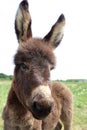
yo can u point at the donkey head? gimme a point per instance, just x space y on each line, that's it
33 62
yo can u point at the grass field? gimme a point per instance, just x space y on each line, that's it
79 90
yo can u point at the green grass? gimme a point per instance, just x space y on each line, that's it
79 90
4 88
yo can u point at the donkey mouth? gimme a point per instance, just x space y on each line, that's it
41 114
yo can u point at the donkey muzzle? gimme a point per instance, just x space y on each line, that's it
42 103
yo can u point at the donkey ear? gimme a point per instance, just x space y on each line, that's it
23 22
56 33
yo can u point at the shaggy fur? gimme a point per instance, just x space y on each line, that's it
34 102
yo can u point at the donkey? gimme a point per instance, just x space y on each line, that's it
34 102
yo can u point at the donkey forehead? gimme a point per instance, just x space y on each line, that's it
34 49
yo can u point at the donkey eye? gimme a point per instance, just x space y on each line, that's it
24 67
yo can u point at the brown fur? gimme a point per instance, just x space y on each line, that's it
34 102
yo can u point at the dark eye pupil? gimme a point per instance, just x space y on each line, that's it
24 67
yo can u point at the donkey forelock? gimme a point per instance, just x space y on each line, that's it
35 49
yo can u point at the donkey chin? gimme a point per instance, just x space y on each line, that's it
42 102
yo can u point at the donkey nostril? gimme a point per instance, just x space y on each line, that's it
37 107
